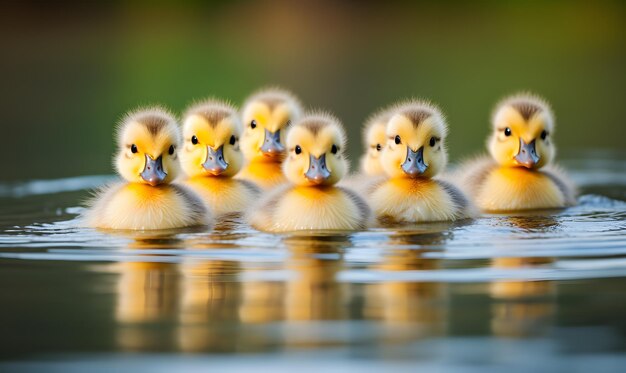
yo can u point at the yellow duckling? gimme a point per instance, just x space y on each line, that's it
374 140
211 157
148 143
266 115
314 165
414 153
519 176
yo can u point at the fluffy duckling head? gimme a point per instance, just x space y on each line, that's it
374 140
266 115
148 141
523 126
316 151
211 132
416 135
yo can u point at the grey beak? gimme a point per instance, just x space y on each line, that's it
527 155
271 144
215 162
317 172
153 173
414 163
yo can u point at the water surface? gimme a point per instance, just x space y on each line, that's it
528 291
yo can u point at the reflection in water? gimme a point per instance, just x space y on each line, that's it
524 308
416 308
314 293
147 292
210 296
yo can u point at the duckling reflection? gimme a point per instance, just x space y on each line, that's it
314 293
400 303
523 308
210 298
210 294
147 292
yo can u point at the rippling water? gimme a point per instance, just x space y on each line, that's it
533 291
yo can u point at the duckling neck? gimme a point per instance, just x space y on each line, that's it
223 195
265 174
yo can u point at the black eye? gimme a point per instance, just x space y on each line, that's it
253 124
398 141
544 134
232 140
194 140
334 149
507 131
432 141
298 149
133 148
378 147
171 150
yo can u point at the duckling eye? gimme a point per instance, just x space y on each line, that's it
544 134
253 124
232 140
398 141
432 141
194 140
507 131
378 147
133 148
171 150
334 149
298 149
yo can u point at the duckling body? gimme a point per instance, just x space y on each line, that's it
519 174
224 195
413 155
211 157
148 141
312 201
417 200
297 208
138 206
266 115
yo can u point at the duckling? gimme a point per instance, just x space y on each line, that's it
266 115
148 142
374 139
415 152
315 163
211 157
519 175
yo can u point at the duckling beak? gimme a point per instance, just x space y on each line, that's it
414 163
153 173
271 145
317 172
215 163
527 154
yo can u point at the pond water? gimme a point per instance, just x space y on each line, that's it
532 291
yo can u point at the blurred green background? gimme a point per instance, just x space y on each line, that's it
71 70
